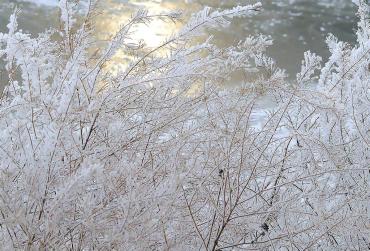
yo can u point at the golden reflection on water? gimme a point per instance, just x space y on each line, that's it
152 35
294 25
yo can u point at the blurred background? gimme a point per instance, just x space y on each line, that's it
294 25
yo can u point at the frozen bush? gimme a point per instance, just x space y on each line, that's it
161 156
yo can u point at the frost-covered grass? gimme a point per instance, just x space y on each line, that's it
161 157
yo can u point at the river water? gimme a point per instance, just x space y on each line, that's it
294 25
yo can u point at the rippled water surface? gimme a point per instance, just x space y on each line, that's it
295 25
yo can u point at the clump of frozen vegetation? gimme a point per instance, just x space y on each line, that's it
161 157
